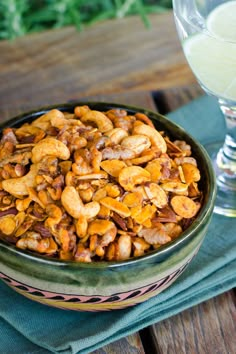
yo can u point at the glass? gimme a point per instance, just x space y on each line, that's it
207 30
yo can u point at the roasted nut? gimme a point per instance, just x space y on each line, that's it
133 199
87 194
112 190
44 121
104 228
185 148
113 167
140 246
81 225
191 173
19 186
175 187
72 202
103 123
7 224
118 152
173 230
137 143
28 130
154 136
156 195
157 235
50 147
81 110
124 245
130 177
54 216
184 206
116 135
144 118
154 168
74 206
116 206
143 214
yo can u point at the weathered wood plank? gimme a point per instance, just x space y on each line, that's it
173 98
141 99
205 329
109 57
130 344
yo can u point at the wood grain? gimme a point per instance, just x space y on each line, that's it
173 98
205 329
110 57
130 344
142 99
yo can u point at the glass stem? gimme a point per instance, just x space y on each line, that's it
226 158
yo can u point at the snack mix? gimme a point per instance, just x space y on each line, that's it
90 186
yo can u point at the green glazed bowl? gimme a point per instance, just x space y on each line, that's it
110 285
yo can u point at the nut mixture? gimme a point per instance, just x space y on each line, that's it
90 185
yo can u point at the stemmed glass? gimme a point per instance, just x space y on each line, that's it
207 30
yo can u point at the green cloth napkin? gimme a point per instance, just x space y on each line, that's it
28 327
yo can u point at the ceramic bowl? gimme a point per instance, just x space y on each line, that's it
110 285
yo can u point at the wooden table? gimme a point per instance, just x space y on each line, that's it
120 61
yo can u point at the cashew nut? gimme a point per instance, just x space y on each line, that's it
103 123
33 241
154 136
81 226
138 143
29 129
104 228
81 110
116 135
44 121
59 121
124 247
71 201
144 118
91 209
50 146
74 206
19 186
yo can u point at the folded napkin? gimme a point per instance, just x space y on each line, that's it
30 327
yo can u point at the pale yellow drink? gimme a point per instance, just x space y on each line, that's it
212 53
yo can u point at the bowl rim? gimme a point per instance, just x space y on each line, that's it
202 216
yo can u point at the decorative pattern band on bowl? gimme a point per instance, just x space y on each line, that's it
96 302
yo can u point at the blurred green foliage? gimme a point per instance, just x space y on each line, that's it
19 17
